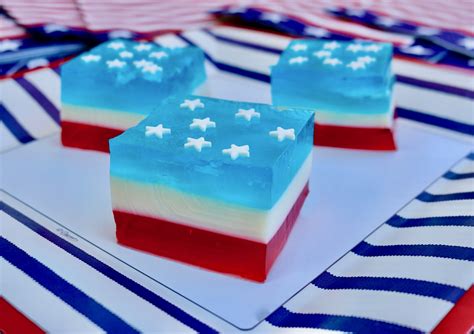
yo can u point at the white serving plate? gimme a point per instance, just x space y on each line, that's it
352 193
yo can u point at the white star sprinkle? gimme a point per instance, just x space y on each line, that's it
116 63
355 65
467 42
354 47
141 63
49 28
202 124
90 57
151 68
126 54
247 114
282 134
366 59
332 61
157 131
298 60
142 47
237 151
116 45
373 48
158 54
198 143
273 17
331 45
316 32
192 104
427 31
322 53
299 47
9 45
417 50
386 21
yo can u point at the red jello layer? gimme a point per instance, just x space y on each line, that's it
85 136
377 139
206 249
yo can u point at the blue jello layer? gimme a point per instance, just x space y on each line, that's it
256 181
335 76
130 87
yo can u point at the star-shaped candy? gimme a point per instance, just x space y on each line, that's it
9 45
366 59
91 58
299 47
142 47
282 134
158 54
247 114
355 65
298 60
126 54
331 45
116 63
49 28
202 124
322 53
316 32
157 131
198 143
192 104
272 17
141 63
467 42
236 151
151 68
332 61
354 47
373 48
116 45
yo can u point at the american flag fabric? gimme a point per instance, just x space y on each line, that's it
385 284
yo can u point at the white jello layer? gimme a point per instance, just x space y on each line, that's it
172 205
112 119
384 120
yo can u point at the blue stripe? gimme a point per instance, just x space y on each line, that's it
444 251
400 78
20 133
109 272
39 97
470 156
397 221
286 319
435 121
230 68
64 290
427 197
405 285
436 86
458 176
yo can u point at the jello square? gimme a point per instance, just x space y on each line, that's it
212 183
350 85
115 85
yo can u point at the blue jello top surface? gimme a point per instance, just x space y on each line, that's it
234 151
124 60
338 59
